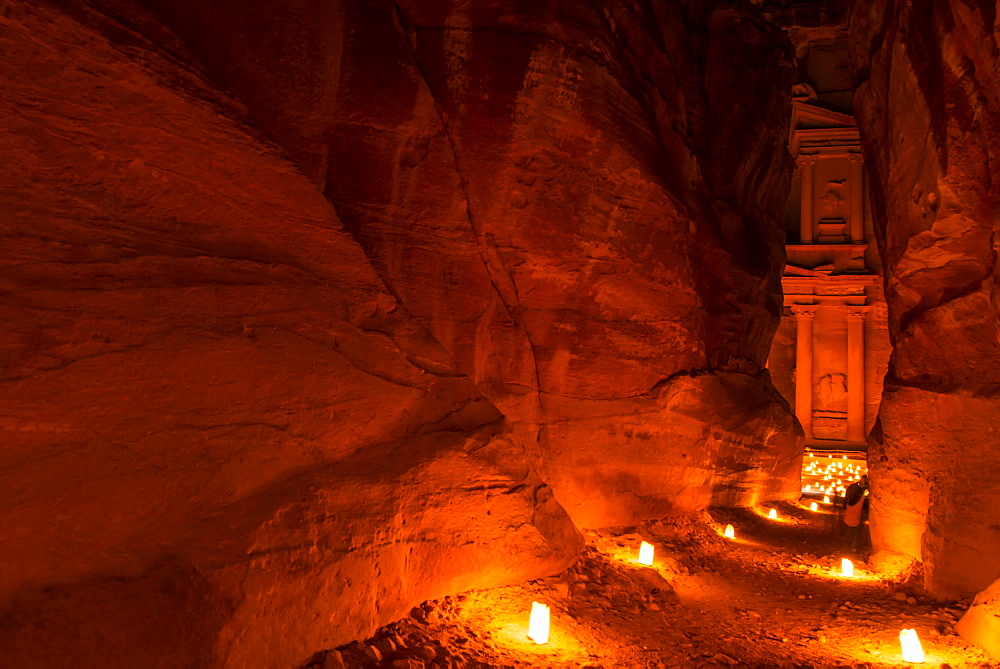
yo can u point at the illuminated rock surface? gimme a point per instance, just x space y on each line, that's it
929 111
773 597
581 209
981 623
239 424
223 441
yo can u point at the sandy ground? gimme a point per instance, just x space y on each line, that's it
773 596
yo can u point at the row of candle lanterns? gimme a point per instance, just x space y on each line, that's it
539 619
829 475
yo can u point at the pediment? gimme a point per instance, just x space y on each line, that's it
792 270
808 117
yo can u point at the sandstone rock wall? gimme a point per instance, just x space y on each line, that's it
928 106
580 203
981 623
240 424
223 440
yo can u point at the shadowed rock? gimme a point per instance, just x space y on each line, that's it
577 204
928 107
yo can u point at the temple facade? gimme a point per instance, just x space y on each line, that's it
831 349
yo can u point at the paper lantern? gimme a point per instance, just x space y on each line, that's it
826 499
846 567
538 623
814 506
646 553
772 514
912 651
730 533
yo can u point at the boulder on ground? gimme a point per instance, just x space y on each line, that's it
981 623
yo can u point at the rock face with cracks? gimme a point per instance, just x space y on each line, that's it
928 107
241 424
224 442
580 204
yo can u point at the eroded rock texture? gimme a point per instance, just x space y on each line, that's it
240 425
579 203
223 441
929 111
981 623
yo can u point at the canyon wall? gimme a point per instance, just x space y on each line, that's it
928 106
314 310
580 204
223 440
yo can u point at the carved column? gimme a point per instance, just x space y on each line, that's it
804 315
807 225
855 372
857 179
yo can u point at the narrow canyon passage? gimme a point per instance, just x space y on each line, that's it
317 314
773 596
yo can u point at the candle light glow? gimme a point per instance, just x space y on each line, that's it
646 554
912 650
538 623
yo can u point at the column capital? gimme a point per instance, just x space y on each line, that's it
806 159
804 311
856 158
855 312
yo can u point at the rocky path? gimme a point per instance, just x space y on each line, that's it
773 596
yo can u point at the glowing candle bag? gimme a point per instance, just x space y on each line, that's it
846 567
538 624
646 554
730 533
814 507
772 514
912 650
